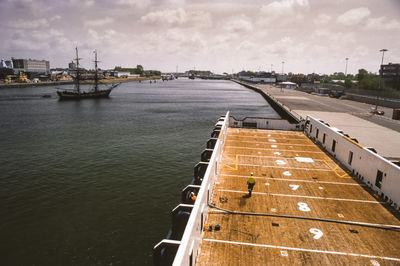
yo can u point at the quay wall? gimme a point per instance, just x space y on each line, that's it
378 173
281 109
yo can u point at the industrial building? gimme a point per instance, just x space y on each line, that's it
31 66
6 63
391 74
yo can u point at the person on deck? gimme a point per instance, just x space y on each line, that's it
250 183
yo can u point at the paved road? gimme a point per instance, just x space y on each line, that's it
297 100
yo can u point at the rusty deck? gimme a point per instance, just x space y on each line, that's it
294 178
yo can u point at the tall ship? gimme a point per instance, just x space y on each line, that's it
78 93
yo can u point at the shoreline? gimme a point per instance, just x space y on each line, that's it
69 82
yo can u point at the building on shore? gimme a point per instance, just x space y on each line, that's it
31 66
259 77
391 75
6 63
288 85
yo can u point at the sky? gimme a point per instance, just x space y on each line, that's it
309 36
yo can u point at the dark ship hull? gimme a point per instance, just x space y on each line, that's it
74 95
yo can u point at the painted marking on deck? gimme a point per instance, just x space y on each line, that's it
214 211
334 170
262 142
301 180
299 159
303 249
287 167
304 196
267 137
305 159
249 148
316 232
280 162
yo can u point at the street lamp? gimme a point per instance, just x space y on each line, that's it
383 53
380 80
283 62
345 72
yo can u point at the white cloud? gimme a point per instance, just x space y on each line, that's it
178 17
353 16
382 23
98 22
57 17
29 24
282 7
246 45
82 3
322 19
136 3
169 16
238 24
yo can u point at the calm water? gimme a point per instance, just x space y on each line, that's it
93 182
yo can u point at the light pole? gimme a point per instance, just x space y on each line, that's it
271 67
345 72
380 79
383 53
283 62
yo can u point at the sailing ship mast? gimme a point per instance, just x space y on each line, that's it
77 94
77 71
96 77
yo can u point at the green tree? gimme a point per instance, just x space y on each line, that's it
362 73
338 75
139 69
348 83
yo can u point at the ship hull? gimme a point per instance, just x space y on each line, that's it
72 95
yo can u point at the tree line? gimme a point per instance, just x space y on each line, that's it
138 70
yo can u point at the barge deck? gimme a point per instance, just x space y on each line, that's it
320 198
304 209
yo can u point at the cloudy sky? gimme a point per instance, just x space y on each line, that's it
217 35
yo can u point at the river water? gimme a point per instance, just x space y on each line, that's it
93 182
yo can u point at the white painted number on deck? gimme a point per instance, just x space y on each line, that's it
294 187
303 207
317 233
280 162
375 263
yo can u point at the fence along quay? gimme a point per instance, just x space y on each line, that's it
309 204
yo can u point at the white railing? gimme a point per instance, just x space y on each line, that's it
377 172
266 123
190 243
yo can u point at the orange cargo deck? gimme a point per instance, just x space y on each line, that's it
295 178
